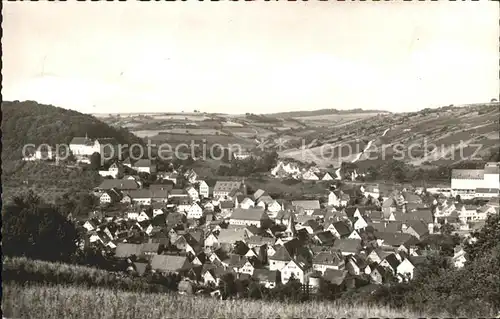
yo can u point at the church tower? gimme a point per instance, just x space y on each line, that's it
290 231
244 187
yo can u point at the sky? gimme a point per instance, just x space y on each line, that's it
258 57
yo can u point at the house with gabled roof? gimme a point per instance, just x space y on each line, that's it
231 235
258 193
194 212
333 199
379 275
309 175
279 259
396 240
405 270
226 208
307 205
311 225
327 260
119 184
324 238
416 228
203 189
327 177
170 264
245 203
297 268
126 250
391 262
222 189
355 234
339 229
348 246
191 176
335 277
193 193
211 274
145 166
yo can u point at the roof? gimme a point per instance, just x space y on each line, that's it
140 268
395 239
167 187
307 204
327 258
226 204
347 245
167 263
467 174
342 228
392 260
312 223
150 247
178 191
121 184
325 237
231 235
115 195
148 193
419 227
226 186
492 168
281 254
412 198
487 190
247 201
143 163
81 141
258 193
255 214
389 227
125 250
424 215
260 240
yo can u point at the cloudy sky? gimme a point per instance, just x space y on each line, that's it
258 57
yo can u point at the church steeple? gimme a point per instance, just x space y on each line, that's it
290 231
244 187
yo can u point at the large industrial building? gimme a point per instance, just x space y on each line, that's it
476 183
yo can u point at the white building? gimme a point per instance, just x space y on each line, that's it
203 189
466 182
194 212
84 146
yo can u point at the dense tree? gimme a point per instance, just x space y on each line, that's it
486 239
37 230
78 204
95 161
29 122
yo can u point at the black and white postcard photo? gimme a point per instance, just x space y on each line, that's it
250 159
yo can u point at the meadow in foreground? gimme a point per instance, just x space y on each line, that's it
40 301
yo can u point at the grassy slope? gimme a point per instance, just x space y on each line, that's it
48 180
76 302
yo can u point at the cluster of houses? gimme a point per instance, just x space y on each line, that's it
293 170
206 231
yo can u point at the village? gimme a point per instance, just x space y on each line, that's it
179 224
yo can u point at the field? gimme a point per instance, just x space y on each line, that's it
445 127
49 302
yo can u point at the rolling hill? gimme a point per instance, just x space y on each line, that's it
442 136
30 122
